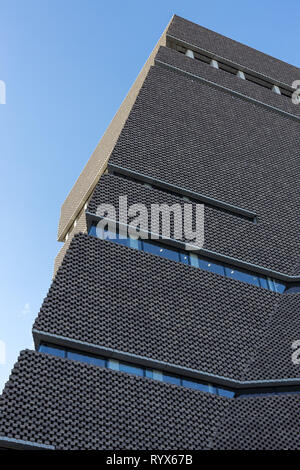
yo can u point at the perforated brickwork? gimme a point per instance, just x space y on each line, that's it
273 359
71 405
191 135
225 79
260 423
110 295
233 50
258 244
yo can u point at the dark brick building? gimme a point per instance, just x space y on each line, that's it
146 345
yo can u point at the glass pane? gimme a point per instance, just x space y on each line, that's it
78 357
195 385
131 369
276 286
279 287
212 389
293 289
263 283
149 373
157 375
194 260
112 364
171 379
59 352
119 237
225 393
184 257
211 266
135 243
109 234
241 275
160 250
97 231
92 230
98 361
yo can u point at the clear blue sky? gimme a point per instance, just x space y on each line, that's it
67 67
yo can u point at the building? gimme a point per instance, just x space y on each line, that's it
143 345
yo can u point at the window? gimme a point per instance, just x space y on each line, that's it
96 361
162 376
54 350
241 275
212 266
131 369
195 385
229 68
160 249
171 379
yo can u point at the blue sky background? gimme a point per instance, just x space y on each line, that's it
67 67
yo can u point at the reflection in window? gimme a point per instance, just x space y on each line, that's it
131 369
134 369
192 259
56 351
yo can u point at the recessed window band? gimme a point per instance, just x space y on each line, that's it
162 376
191 259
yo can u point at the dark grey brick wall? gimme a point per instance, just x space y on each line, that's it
216 144
233 50
273 358
259 244
225 79
71 405
136 302
260 423
199 138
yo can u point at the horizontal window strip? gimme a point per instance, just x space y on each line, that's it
131 368
166 377
188 258
232 69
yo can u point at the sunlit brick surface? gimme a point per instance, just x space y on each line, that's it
121 298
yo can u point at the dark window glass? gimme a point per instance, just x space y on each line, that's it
276 286
122 237
195 385
293 289
279 287
216 267
241 275
79 357
184 257
160 250
92 230
131 369
263 283
109 235
149 373
52 350
171 379
225 393
122 241
211 266
194 260
137 244
212 389
98 361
